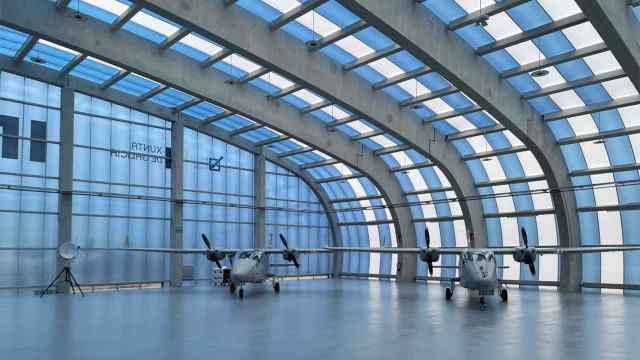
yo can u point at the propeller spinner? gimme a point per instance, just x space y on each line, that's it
529 260
212 254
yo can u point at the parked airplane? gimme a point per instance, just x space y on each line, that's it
252 265
477 268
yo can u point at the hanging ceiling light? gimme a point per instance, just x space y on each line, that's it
540 73
483 19
36 58
77 15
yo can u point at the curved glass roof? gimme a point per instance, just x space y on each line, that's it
586 99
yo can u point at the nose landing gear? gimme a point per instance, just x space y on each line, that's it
276 287
232 288
504 295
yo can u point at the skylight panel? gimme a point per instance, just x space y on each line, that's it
414 87
443 179
560 9
382 141
634 139
307 96
604 195
461 123
620 88
386 68
59 47
504 203
513 140
359 126
115 7
474 5
582 35
200 44
602 62
501 26
151 22
314 21
553 78
335 112
540 200
104 63
493 169
438 106
276 80
355 47
582 125
321 154
525 53
241 63
479 144
282 5
630 115
596 154
293 140
530 165
567 99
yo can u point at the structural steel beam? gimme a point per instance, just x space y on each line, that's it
555 60
570 85
516 39
486 11
217 117
253 75
367 135
601 135
406 24
125 17
215 58
392 149
401 78
590 109
375 56
415 166
335 123
245 34
284 92
272 140
115 78
187 104
476 132
92 89
174 38
153 92
72 64
321 43
352 199
452 114
25 48
293 152
496 152
339 178
619 28
244 129
429 96
295 13
606 170
518 180
319 163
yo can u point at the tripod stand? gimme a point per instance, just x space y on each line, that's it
68 278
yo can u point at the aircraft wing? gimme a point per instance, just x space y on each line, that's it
390 250
299 251
586 249
165 250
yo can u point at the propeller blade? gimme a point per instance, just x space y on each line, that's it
218 264
525 240
427 238
206 241
284 241
295 262
532 268
430 266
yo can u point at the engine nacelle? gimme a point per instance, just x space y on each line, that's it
215 255
290 255
429 255
525 255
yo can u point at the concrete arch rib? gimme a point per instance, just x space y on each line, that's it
616 24
96 39
243 33
406 23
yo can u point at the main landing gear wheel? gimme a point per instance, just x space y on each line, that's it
276 287
241 293
483 303
448 293
232 288
504 295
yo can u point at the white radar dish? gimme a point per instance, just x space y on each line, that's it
68 250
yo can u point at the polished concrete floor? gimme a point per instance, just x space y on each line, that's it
322 319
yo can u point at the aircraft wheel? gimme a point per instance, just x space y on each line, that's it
276 287
448 294
504 295
241 293
232 287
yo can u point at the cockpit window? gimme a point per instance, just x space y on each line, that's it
469 256
245 255
480 257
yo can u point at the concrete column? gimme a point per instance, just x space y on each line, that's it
177 170
65 182
259 190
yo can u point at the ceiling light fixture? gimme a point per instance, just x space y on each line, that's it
539 72
483 19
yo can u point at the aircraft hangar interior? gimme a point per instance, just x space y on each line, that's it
325 179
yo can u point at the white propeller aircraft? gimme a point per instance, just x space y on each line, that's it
477 267
252 265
